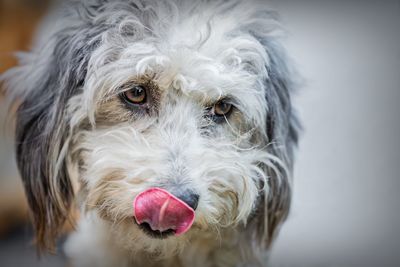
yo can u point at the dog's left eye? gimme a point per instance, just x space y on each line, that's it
220 111
137 95
222 108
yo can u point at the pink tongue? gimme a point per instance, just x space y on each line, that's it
163 211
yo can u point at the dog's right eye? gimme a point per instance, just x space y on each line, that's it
137 95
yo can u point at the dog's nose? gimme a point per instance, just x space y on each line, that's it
190 198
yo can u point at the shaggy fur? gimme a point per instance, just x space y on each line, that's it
76 139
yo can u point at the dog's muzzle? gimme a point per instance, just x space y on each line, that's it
160 214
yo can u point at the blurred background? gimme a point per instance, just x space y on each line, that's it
345 209
18 21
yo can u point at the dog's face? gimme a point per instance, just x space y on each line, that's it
193 100
184 119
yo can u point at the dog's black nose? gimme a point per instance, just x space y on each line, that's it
189 198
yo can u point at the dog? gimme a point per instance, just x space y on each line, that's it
168 124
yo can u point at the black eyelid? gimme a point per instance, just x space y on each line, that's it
229 100
127 86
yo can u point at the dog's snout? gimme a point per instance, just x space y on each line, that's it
190 198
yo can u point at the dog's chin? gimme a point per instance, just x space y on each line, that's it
131 228
133 236
160 245
156 234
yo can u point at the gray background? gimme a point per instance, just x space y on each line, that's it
345 207
346 202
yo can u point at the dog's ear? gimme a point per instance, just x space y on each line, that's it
42 139
40 88
41 145
281 130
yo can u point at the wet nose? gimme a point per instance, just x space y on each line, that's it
190 198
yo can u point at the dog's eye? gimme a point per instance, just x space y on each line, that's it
222 108
136 95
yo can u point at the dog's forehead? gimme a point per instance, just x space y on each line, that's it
210 60
202 55
191 71
203 73
212 68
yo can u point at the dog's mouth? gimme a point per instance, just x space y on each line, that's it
160 214
145 227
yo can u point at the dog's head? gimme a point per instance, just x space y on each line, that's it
186 102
